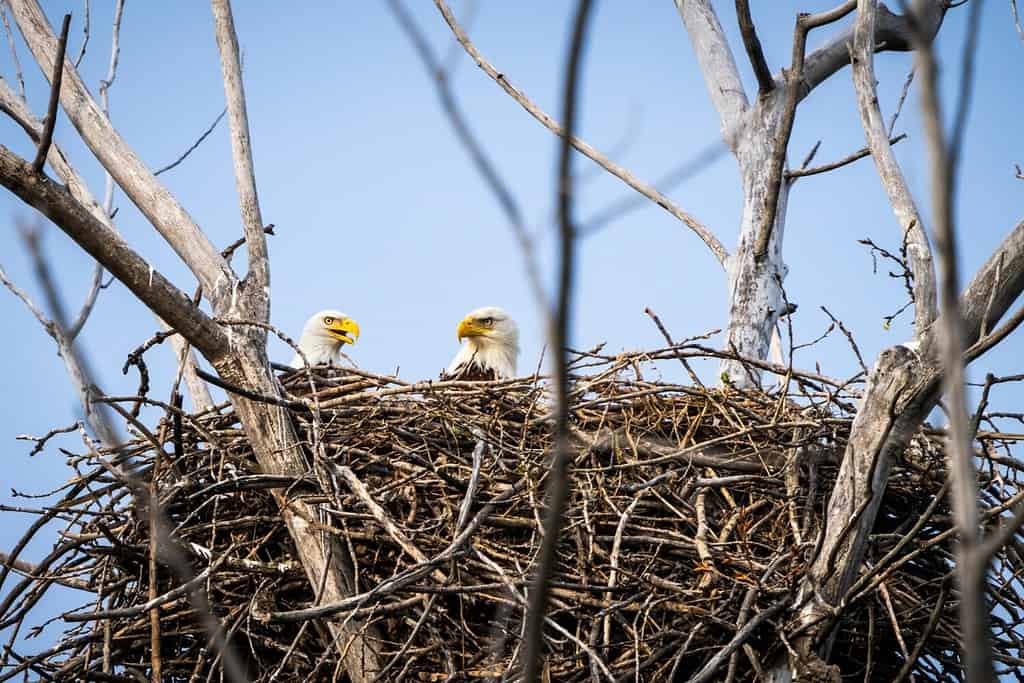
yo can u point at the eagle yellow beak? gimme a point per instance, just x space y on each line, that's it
345 330
469 328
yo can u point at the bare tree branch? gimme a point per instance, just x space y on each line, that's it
105 85
14 49
717 64
110 249
619 172
193 147
804 24
558 481
892 34
50 122
258 275
153 199
849 159
972 558
755 52
85 33
907 216
483 163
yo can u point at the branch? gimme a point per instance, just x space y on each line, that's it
892 34
558 483
755 52
51 109
804 24
476 152
907 216
258 276
717 64
153 199
594 155
110 249
195 145
971 555
825 168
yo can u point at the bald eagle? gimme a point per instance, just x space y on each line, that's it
323 336
491 349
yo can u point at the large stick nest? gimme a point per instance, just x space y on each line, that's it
691 518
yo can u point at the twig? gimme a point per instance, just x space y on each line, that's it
972 560
14 50
194 145
41 440
85 34
51 109
668 338
849 159
619 172
765 81
793 85
484 164
558 480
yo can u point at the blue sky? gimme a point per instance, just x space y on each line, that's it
380 213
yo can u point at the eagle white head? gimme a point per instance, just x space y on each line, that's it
492 346
323 335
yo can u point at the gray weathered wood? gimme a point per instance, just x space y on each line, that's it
139 184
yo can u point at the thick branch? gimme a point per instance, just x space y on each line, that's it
892 34
258 276
153 199
110 249
716 63
876 134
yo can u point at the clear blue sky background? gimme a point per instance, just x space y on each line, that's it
380 213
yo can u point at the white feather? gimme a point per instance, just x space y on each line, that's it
318 345
498 350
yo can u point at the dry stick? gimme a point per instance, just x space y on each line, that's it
484 165
793 79
668 338
972 563
14 50
712 242
156 663
51 109
849 159
195 145
908 217
723 654
382 517
765 82
258 275
558 483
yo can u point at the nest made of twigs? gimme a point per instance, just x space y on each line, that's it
692 513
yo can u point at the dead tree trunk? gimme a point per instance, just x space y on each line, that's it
758 135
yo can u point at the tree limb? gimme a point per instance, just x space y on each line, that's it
597 157
907 216
51 109
110 249
153 199
755 52
716 64
892 34
557 492
258 275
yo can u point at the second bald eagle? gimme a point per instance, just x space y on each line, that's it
491 349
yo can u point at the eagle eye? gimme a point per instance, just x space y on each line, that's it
488 321
328 320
